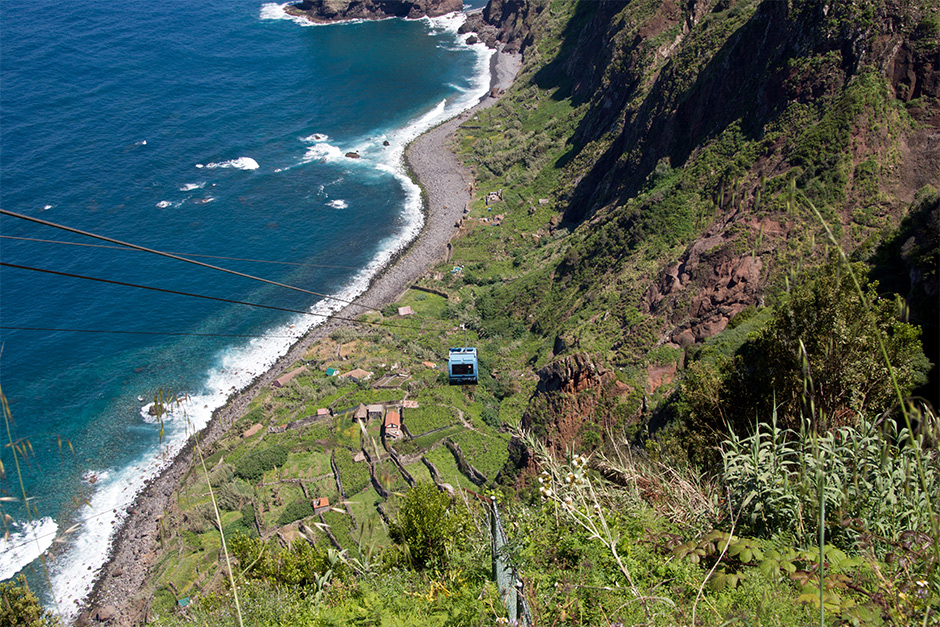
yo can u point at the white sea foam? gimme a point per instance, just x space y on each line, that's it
324 152
163 204
316 137
275 11
188 187
25 542
242 163
337 204
115 490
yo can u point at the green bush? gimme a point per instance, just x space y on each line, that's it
429 526
251 467
298 564
20 606
819 358
295 511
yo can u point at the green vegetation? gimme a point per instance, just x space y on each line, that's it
251 467
354 475
725 434
819 354
429 527
19 606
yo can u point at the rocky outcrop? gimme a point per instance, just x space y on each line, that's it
506 23
572 392
341 10
711 283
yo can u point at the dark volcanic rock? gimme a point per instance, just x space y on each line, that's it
506 22
339 10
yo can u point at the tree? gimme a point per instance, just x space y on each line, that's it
819 358
19 606
824 354
429 526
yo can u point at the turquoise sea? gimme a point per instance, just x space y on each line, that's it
213 129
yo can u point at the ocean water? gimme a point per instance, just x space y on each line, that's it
214 129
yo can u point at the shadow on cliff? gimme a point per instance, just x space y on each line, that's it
745 81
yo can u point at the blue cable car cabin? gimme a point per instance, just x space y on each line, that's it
462 366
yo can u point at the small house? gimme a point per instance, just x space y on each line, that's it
392 425
375 412
284 379
321 505
405 311
361 414
357 375
322 412
332 372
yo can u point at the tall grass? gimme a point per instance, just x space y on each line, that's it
22 448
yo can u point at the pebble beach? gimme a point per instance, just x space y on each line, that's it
118 595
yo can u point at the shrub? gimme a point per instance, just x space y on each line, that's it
19 606
870 477
429 526
251 467
295 511
820 357
298 564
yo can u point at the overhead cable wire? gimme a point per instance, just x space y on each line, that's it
203 296
284 263
172 333
177 257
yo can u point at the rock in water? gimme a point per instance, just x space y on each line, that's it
339 10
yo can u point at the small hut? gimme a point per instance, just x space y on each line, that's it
392 425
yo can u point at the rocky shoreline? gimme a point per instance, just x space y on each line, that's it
118 596
329 11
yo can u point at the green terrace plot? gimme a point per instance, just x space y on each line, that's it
446 466
341 527
424 304
388 475
425 442
455 396
419 471
316 435
368 397
346 433
427 417
354 475
486 453
306 465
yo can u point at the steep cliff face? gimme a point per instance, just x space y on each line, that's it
701 114
506 22
338 10
660 97
702 131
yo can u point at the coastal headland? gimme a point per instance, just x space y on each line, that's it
327 11
117 596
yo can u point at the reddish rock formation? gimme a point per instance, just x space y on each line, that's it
571 391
